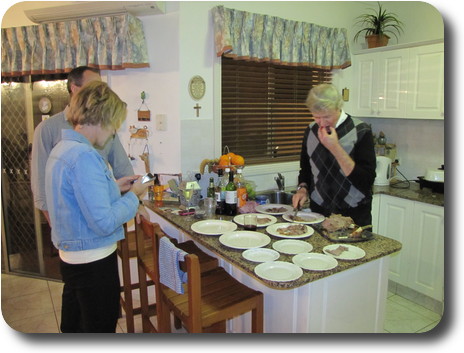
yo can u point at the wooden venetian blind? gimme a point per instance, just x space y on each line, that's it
263 110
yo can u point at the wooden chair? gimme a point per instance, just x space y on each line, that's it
147 231
211 296
126 251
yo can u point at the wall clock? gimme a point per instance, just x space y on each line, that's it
45 105
197 87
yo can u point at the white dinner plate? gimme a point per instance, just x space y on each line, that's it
239 219
292 246
213 227
353 252
244 239
315 262
279 271
272 229
260 255
266 209
307 217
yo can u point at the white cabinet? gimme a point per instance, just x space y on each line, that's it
426 83
375 213
399 83
420 228
381 83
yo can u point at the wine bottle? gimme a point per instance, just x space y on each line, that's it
231 196
241 189
211 188
219 194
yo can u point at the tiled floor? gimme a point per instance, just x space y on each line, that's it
34 305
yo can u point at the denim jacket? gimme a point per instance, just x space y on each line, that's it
85 204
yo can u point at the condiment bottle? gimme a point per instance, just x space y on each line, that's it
242 195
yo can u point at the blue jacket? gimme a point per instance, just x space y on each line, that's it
85 204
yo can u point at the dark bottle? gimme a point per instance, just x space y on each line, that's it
220 195
231 196
211 188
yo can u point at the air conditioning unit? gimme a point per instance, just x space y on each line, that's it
83 9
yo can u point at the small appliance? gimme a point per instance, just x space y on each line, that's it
383 171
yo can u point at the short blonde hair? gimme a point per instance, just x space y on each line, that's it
96 103
323 98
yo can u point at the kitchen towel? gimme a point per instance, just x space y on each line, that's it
170 273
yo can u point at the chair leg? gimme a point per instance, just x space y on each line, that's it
144 300
257 315
163 315
128 305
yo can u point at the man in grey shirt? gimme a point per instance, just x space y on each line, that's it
48 134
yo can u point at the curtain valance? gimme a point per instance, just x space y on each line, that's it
255 37
107 43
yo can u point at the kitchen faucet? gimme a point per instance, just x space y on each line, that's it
280 180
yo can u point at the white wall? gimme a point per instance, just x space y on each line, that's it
180 45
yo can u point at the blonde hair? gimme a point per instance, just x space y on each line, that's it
323 98
96 103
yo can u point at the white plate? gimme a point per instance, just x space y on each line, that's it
260 255
213 227
278 271
310 217
263 208
244 239
353 252
272 229
239 219
292 246
315 262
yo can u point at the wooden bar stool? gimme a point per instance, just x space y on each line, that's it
126 251
147 231
211 296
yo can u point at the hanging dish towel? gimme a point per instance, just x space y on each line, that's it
170 273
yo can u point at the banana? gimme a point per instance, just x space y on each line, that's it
203 164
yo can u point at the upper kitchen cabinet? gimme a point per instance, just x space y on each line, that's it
426 82
399 83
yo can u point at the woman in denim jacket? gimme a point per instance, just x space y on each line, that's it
88 209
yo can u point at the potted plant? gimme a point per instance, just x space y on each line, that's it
376 25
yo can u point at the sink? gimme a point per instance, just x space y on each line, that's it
282 197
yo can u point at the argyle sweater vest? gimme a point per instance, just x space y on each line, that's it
330 188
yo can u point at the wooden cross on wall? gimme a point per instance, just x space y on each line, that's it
197 108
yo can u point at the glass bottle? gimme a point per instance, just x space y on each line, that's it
231 196
242 195
219 194
211 189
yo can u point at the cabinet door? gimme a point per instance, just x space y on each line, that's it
375 213
363 92
395 221
392 83
426 272
426 82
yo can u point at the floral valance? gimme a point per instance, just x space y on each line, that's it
255 37
107 43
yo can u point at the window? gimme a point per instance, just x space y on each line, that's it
263 110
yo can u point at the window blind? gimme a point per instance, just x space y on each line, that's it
263 109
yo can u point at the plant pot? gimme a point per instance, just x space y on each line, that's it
376 40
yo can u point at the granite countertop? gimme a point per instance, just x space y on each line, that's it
377 247
413 192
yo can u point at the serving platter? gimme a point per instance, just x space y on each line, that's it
279 271
343 236
273 230
244 239
239 219
315 262
267 209
213 227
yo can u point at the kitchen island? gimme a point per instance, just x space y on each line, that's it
349 298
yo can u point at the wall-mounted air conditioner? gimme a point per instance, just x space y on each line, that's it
81 9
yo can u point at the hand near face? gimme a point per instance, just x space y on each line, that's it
328 140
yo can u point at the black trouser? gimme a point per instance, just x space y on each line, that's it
361 215
90 296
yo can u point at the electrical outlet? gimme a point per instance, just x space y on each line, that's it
161 122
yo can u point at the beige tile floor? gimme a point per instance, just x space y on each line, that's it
34 306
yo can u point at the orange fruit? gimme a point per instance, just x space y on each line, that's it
224 160
237 160
230 154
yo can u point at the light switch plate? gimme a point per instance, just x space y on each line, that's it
161 122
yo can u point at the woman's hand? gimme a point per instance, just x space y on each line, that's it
125 183
138 188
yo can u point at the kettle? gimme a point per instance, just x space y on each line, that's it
383 171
